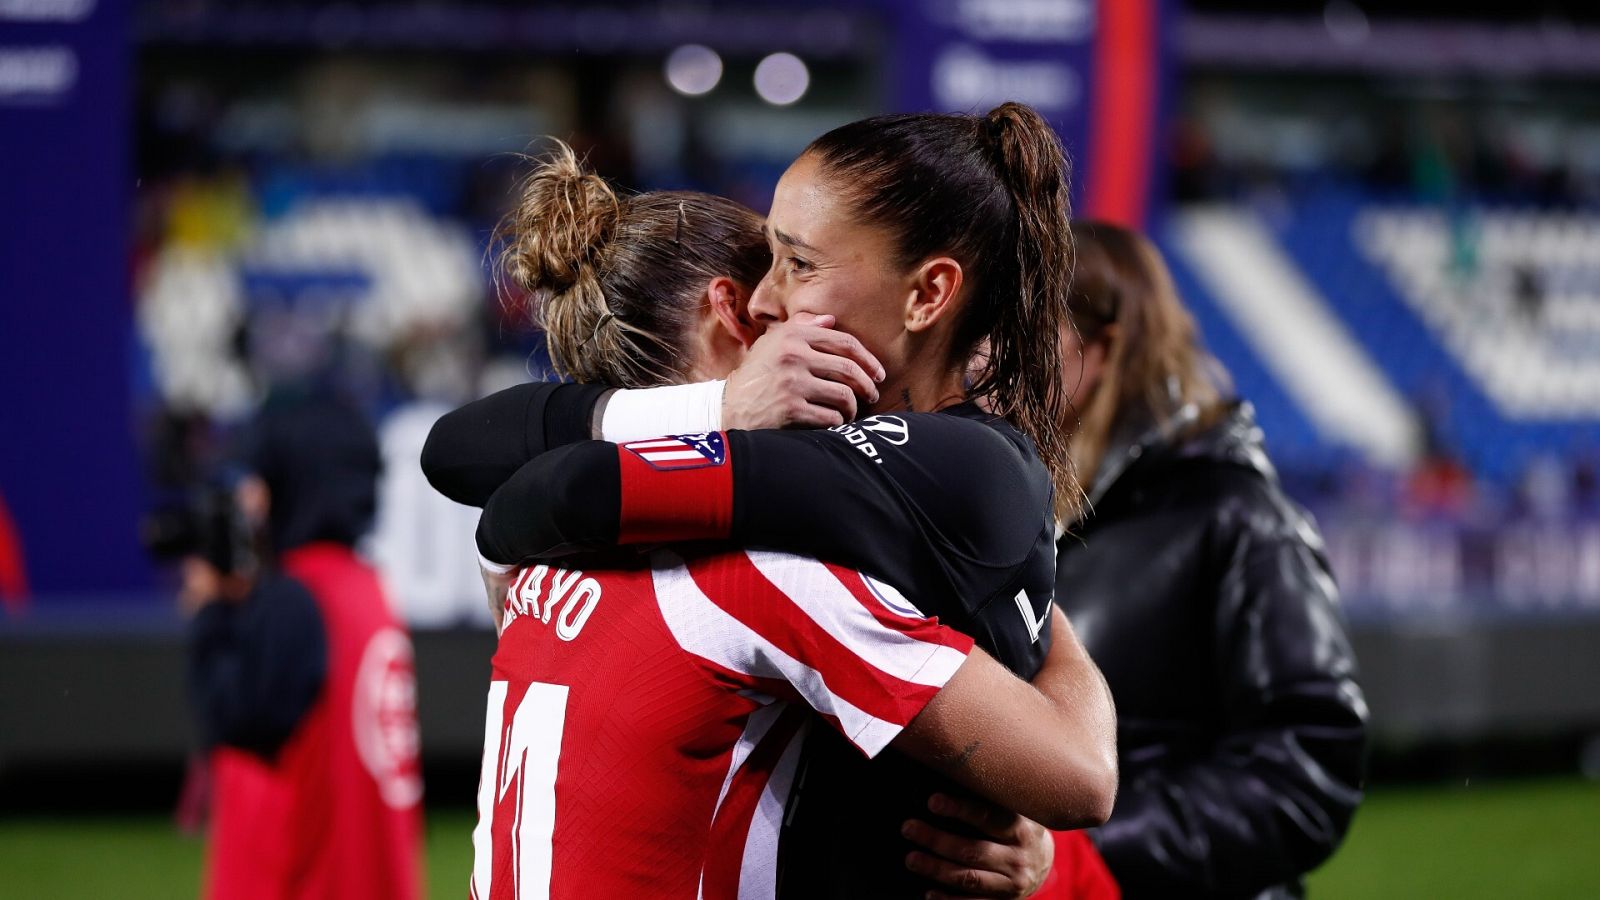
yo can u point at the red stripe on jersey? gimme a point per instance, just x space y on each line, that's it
731 828
853 581
733 583
666 505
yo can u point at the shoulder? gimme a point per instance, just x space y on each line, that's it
989 478
284 591
982 458
1235 508
770 584
1248 501
283 604
744 577
735 605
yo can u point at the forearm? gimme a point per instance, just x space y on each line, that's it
563 502
1027 748
1077 690
473 451
774 489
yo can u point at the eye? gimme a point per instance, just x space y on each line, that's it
800 265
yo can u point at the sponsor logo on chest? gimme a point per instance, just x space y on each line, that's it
891 430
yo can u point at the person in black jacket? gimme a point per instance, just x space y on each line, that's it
1204 594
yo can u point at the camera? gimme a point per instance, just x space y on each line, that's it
204 520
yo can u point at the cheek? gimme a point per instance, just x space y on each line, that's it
812 297
860 298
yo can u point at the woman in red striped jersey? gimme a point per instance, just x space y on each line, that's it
849 495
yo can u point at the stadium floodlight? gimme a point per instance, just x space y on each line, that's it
782 78
693 69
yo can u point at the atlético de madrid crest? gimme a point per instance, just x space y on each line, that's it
682 451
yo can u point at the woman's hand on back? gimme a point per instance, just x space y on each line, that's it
1013 860
801 374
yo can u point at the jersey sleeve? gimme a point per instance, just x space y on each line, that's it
473 451
255 668
942 504
785 626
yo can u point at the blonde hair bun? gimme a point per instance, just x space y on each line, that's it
564 217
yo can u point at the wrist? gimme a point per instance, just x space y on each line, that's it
636 414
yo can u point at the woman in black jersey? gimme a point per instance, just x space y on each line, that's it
967 482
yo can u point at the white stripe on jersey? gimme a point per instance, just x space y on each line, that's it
818 593
758 870
488 793
666 455
703 628
755 728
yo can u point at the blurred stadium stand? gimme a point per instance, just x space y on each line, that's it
1396 256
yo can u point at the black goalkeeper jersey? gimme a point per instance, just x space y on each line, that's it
953 508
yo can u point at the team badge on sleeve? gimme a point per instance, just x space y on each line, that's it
681 451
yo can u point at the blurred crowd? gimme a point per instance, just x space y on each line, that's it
268 248
1442 142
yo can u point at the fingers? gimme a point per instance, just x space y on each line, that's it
1001 824
838 343
801 374
806 318
810 415
969 852
1014 864
964 881
846 372
831 395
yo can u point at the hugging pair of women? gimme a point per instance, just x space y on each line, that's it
798 504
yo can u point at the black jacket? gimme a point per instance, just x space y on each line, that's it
1205 597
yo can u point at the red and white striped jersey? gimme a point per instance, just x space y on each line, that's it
644 724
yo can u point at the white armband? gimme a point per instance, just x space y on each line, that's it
639 413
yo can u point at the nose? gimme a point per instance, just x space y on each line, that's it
764 305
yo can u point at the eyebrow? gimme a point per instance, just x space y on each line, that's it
789 239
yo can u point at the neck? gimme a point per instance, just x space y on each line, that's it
924 389
715 353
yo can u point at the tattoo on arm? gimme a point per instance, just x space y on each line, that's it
966 753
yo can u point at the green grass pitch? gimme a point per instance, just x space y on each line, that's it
1520 839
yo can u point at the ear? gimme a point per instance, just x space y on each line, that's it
730 303
934 288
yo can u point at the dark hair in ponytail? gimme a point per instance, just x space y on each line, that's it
990 192
615 279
